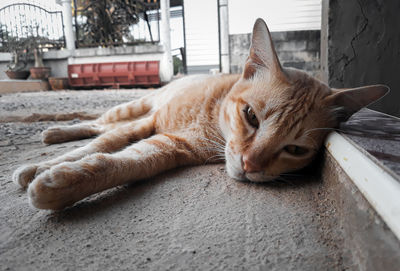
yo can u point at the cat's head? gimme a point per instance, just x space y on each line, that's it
272 118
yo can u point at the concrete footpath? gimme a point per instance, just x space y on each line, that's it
186 219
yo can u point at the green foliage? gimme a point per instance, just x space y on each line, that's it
22 48
17 47
178 64
107 22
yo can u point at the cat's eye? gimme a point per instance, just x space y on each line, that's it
295 150
251 116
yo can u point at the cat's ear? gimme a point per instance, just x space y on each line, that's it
262 52
349 101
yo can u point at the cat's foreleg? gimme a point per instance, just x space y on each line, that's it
59 134
69 182
111 141
114 117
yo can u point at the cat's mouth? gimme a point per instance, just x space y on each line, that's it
239 174
235 170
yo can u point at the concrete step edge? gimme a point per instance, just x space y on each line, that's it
379 185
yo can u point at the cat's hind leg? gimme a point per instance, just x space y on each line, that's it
128 111
69 182
108 142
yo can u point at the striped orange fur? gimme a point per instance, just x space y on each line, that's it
262 123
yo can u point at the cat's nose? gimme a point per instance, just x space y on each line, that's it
249 165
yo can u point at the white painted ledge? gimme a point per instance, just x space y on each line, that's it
375 182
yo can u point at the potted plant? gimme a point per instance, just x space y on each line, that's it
34 45
39 71
19 56
16 68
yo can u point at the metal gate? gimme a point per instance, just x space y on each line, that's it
23 21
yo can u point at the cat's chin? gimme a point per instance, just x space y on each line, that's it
259 177
235 174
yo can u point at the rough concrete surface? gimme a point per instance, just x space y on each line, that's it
186 219
19 106
365 241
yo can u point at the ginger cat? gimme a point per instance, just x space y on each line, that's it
262 123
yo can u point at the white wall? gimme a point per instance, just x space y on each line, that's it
176 25
282 15
201 19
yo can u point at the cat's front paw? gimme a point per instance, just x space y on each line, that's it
23 175
53 135
58 187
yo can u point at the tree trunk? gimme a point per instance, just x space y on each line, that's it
38 58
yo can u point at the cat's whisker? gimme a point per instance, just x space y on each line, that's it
315 144
292 175
324 128
219 158
219 155
214 146
283 180
217 151
215 143
217 136
221 144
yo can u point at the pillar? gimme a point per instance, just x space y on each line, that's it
324 41
166 65
224 35
67 20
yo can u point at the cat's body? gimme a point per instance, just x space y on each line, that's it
263 123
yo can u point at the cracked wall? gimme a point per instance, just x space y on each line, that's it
298 49
362 46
